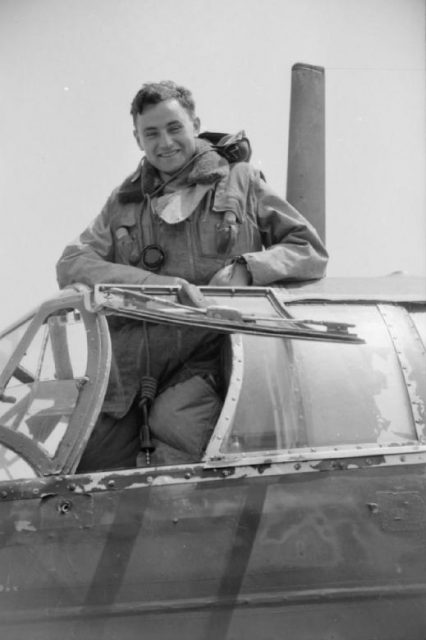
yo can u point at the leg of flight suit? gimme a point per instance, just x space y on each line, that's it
182 419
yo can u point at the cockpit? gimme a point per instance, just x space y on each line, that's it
304 380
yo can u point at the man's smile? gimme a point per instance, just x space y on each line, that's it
168 154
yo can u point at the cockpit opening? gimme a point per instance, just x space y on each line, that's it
263 398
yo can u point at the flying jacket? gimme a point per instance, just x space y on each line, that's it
239 214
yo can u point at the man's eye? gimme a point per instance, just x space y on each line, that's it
150 134
175 128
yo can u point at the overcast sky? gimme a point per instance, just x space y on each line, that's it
70 69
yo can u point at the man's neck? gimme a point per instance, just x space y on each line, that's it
175 181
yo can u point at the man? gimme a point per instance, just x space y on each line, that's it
185 216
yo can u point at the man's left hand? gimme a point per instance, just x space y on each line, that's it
233 275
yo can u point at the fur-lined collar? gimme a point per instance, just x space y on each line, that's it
207 168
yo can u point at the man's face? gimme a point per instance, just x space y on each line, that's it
166 132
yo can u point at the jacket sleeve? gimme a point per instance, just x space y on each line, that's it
89 258
293 248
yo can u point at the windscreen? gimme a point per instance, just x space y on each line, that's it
42 393
308 394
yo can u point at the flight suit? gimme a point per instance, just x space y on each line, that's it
230 211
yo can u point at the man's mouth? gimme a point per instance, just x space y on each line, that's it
169 154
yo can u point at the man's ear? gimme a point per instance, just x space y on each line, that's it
138 140
197 125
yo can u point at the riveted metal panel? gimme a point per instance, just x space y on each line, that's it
411 355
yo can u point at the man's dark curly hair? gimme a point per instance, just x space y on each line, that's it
152 93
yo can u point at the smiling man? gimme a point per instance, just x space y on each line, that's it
186 215
166 133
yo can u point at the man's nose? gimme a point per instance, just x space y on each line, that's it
165 139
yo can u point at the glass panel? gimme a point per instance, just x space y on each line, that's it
13 467
299 394
9 342
46 398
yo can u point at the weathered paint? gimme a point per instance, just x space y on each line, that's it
218 555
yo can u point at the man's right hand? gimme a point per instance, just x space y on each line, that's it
191 296
168 281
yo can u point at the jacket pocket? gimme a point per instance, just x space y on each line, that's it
126 239
219 233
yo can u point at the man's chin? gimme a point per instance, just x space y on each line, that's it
171 166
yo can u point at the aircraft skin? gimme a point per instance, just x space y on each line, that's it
306 518
255 541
